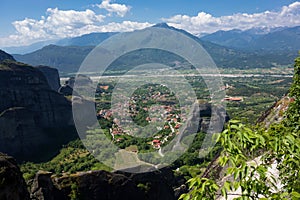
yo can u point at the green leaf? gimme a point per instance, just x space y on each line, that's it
227 186
224 193
234 122
295 195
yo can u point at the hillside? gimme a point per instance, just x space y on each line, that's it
5 56
279 40
66 59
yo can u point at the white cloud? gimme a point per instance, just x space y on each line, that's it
206 23
124 26
119 9
58 24
64 23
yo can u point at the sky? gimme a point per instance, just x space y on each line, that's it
29 21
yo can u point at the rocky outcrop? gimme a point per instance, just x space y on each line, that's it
42 188
34 118
12 184
103 185
212 115
81 81
92 185
51 75
207 118
66 90
275 113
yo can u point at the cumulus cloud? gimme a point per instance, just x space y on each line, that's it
64 23
119 9
56 24
206 23
124 26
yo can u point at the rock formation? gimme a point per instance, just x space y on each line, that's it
92 185
34 118
102 185
207 117
42 188
12 184
81 82
66 90
51 75
275 113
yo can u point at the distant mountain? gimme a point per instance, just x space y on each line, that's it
5 56
277 39
92 39
68 58
234 38
28 48
286 40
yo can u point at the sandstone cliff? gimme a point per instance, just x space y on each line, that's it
34 119
51 75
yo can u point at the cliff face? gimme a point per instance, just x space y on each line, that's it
208 116
33 118
12 184
51 75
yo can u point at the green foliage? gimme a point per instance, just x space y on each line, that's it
201 189
144 187
71 159
241 147
293 114
248 155
74 194
295 88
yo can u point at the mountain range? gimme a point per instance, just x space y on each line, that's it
254 48
91 39
279 39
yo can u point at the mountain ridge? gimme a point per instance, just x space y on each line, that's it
69 58
277 39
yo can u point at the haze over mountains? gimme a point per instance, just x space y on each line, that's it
253 48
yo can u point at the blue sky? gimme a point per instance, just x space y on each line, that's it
28 21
